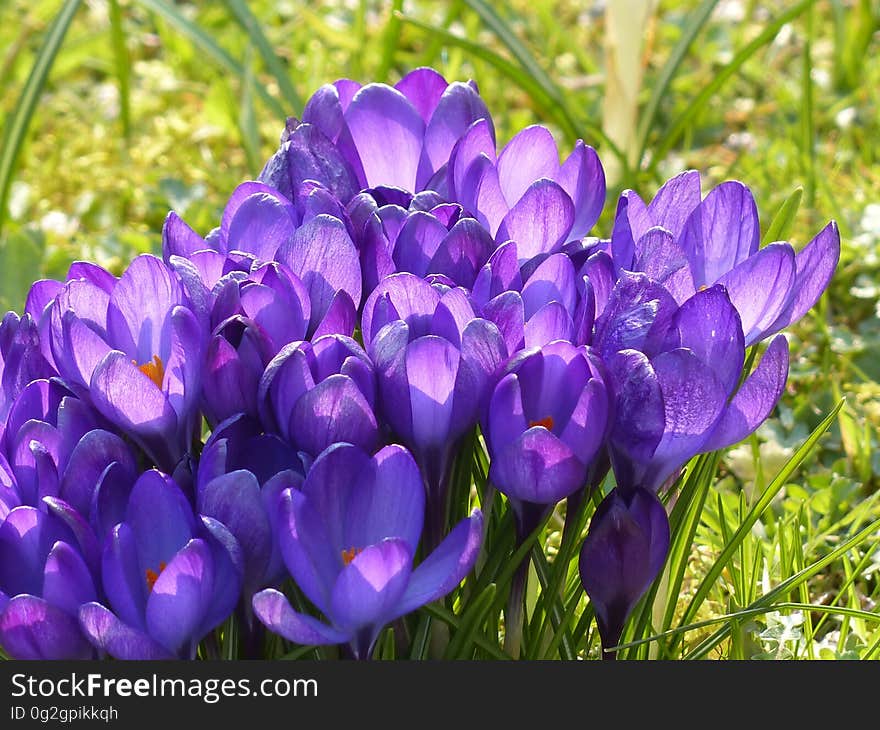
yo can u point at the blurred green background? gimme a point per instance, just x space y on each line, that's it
116 111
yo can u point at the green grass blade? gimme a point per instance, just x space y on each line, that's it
251 25
755 512
544 102
462 644
677 127
204 41
782 222
766 602
390 41
17 123
122 62
697 19
247 117
437 611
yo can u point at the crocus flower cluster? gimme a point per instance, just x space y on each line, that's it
260 425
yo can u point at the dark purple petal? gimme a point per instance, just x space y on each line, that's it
116 638
123 578
551 322
389 351
340 317
432 365
67 581
274 610
412 300
540 220
324 110
721 232
261 224
631 222
507 313
87 464
312 156
588 423
479 193
506 418
553 280
621 556
500 274
131 400
755 399
26 537
446 566
599 269
693 401
463 251
31 628
417 243
537 467
478 140
709 326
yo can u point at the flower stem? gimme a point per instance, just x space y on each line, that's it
513 614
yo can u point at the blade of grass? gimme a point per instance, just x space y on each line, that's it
435 610
16 125
390 39
247 117
461 646
122 62
251 25
204 41
755 512
696 20
546 104
769 32
782 222
767 600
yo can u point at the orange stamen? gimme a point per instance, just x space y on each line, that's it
545 422
153 576
350 554
703 287
154 370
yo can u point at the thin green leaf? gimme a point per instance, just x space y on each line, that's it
677 127
249 23
18 121
757 510
696 20
461 646
204 41
437 611
122 63
782 222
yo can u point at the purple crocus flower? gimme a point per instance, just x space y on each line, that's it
241 473
436 363
170 576
133 347
674 372
47 563
439 241
622 554
261 225
355 137
688 244
315 394
58 446
524 194
349 538
21 358
546 422
536 304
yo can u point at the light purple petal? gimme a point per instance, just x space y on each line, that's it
423 87
274 610
540 221
117 639
261 224
529 156
755 399
446 566
178 239
760 287
31 628
432 364
674 202
67 582
721 232
550 322
582 177
387 132
553 280
414 300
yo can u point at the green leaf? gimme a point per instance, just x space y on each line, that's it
461 646
756 511
677 127
204 41
21 256
696 20
16 124
249 23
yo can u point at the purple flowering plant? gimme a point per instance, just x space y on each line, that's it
339 423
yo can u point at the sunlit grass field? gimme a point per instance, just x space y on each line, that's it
141 106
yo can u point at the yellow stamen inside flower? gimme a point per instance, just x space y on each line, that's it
703 287
153 576
350 554
545 422
154 370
